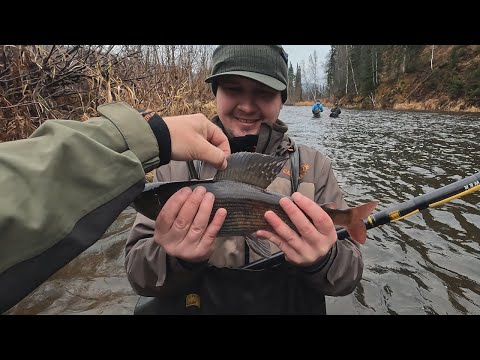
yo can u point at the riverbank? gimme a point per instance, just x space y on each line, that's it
435 105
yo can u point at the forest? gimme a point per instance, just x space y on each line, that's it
414 77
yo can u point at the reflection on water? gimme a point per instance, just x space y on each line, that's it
428 263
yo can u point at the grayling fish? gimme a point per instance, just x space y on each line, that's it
240 189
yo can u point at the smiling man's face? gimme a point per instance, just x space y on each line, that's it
243 103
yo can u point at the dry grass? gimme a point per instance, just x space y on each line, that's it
304 103
325 102
69 82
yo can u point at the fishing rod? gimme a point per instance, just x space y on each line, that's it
398 212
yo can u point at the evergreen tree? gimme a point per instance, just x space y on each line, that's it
291 81
330 68
298 85
365 70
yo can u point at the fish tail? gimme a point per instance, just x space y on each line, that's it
356 228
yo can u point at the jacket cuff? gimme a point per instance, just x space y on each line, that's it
162 134
316 267
191 265
128 121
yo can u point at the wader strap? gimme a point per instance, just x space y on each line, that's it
294 167
193 169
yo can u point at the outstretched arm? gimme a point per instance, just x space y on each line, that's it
63 186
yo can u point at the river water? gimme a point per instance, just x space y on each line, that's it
427 263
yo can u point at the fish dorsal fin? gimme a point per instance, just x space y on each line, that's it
252 168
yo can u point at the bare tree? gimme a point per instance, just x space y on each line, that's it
353 74
404 61
313 74
431 59
346 67
305 78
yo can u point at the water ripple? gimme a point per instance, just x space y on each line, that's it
425 264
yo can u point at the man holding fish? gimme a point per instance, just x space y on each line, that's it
191 237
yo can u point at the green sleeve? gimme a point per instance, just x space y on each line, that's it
62 187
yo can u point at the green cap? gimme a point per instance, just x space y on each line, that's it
267 64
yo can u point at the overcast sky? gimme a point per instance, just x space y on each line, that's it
297 53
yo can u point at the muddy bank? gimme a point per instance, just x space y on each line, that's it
437 105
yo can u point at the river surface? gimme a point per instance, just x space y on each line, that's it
427 263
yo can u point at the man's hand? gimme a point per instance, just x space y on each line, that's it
196 137
182 227
316 237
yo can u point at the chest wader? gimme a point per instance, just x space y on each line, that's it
281 287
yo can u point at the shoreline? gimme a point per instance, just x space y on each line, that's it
427 106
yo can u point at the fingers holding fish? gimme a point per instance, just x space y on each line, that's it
200 233
321 220
182 227
207 242
318 231
291 255
299 249
283 236
200 222
297 216
199 244
312 241
170 210
288 235
203 140
187 213
216 137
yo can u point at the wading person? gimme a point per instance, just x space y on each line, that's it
179 260
335 111
317 108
